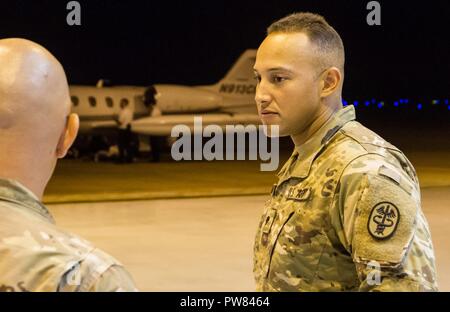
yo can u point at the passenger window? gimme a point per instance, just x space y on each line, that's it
109 102
75 100
92 101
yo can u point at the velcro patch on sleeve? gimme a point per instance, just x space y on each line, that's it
385 223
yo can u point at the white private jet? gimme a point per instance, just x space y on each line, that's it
228 102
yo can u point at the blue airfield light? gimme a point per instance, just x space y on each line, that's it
446 101
406 101
448 107
401 102
434 102
419 106
380 105
355 103
396 103
366 103
373 101
344 102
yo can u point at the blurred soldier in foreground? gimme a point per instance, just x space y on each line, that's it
36 128
345 214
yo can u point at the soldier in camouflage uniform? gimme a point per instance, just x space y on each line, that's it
345 214
36 128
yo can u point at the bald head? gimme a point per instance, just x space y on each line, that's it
33 85
35 125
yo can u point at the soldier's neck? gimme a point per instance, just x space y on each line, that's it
317 122
28 171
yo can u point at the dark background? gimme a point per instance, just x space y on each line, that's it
195 42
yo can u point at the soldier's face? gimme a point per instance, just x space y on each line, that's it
288 89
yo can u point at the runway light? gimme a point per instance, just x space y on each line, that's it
399 102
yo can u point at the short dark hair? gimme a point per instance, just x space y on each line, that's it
325 38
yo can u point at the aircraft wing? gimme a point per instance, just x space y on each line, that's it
163 125
87 126
104 124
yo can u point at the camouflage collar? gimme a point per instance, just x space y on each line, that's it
14 192
306 153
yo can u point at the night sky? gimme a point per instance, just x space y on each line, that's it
193 42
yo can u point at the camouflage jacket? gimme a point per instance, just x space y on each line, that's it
37 256
345 216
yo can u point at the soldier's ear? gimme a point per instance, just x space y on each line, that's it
330 81
68 136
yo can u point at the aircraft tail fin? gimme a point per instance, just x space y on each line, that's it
242 69
239 85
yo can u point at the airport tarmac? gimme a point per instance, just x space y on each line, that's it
204 244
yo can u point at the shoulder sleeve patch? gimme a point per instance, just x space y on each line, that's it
383 220
385 223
